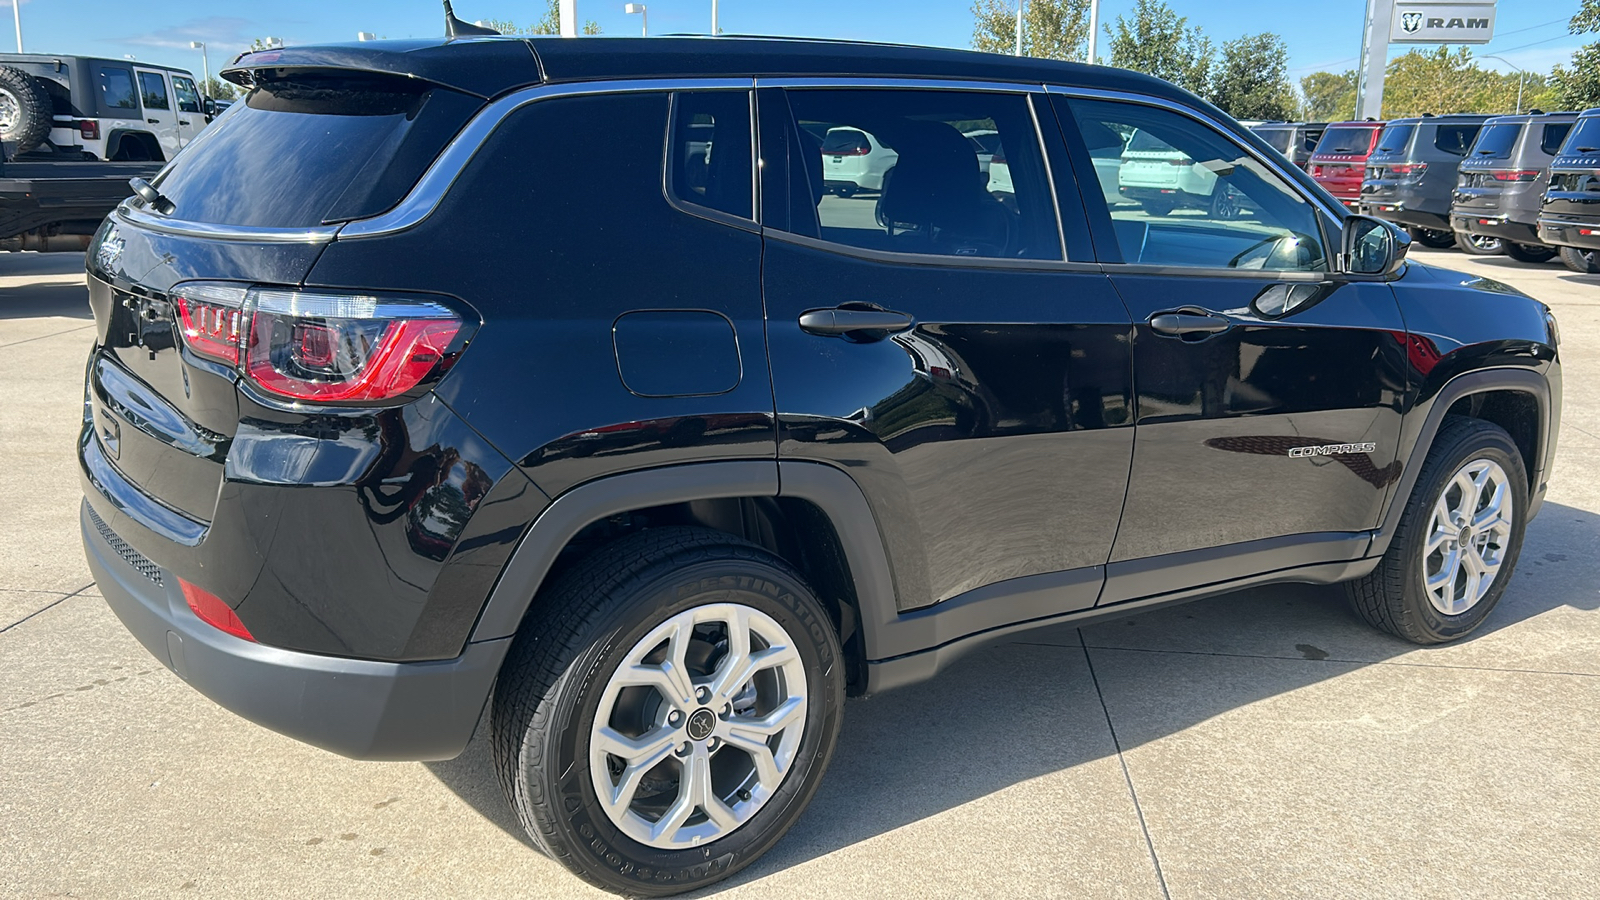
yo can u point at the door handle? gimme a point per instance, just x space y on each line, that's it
863 324
1188 323
153 121
183 121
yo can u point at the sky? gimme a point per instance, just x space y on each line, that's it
1325 34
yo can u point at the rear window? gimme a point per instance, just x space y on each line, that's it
1585 136
845 141
314 151
1456 139
1279 138
1496 142
1145 142
1395 138
1345 140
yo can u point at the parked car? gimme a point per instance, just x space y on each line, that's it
655 476
1411 174
1295 140
1162 178
1569 218
1340 161
853 160
105 109
1501 181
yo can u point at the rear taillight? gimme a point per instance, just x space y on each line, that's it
319 346
89 128
1409 168
1514 174
1180 161
211 610
1316 171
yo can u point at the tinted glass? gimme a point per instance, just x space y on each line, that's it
116 89
188 97
1222 208
926 190
712 151
1496 141
300 153
1584 138
1345 140
1145 142
1312 136
153 90
1395 138
1281 139
1456 139
1554 135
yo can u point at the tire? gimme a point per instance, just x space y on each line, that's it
845 192
608 616
1586 262
1433 237
25 109
1478 245
1223 204
1530 253
1158 207
1394 596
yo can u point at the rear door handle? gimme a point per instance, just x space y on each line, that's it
864 324
1188 323
183 121
153 121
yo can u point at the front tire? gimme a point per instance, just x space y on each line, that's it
1479 245
1586 262
668 710
1530 253
1433 237
1458 539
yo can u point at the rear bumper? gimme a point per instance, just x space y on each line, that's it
1563 233
1495 226
357 708
1398 213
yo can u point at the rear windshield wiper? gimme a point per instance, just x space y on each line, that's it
157 200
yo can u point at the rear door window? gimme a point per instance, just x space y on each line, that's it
1455 139
1496 142
1550 140
712 156
314 151
153 90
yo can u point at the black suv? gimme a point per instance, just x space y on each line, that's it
397 409
1569 218
1295 140
1412 172
1501 183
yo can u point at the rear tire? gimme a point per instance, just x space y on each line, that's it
636 789
1419 591
25 109
1530 253
1586 262
1478 245
1433 237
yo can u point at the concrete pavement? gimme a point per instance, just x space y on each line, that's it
1263 744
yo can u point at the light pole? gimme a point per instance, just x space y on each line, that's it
1094 32
1019 27
1522 77
205 63
16 16
714 29
642 12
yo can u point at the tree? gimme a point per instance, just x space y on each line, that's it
1579 87
1160 42
1252 79
1051 29
1441 81
550 23
218 90
1328 97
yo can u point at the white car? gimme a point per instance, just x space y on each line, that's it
1161 177
110 109
853 160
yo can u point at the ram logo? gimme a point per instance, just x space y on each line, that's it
1331 450
1410 22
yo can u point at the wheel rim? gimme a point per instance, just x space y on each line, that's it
698 726
1469 533
1484 242
9 109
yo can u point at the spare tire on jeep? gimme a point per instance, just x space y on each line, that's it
25 109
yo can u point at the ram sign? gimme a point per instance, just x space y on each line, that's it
1442 23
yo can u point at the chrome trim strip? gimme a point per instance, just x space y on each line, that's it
126 214
1123 97
930 259
436 182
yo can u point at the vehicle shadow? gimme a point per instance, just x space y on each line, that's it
1017 711
59 292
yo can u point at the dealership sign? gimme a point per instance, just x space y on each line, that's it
1442 23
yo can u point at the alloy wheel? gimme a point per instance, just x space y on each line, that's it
1485 243
698 726
1469 532
9 110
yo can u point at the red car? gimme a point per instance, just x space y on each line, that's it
1340 160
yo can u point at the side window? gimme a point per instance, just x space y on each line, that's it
1553 136
711 154
188 97
1184 194
1455 139
116 89
948 173
153 90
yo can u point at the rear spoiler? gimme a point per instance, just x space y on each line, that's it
491 67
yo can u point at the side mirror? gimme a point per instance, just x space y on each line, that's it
1373 246
211 107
